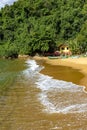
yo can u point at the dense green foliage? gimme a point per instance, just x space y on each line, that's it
30 26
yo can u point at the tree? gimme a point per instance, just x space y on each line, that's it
31 26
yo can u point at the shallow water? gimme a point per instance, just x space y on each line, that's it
34 101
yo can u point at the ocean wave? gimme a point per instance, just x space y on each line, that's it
57 96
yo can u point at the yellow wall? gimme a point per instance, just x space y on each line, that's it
65 49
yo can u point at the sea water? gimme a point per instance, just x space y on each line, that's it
56 95
37 101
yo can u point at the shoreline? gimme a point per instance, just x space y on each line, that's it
76 63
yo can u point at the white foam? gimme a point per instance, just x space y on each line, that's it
74 108
32 69
32 64
51 108
46 82
74 99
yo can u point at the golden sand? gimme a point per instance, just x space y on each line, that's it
76 63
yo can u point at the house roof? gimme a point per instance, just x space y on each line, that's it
63 44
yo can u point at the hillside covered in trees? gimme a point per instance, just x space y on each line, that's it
30 26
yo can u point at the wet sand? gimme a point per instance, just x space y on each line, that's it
79 64
22 109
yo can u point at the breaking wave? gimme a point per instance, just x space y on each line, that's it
57 96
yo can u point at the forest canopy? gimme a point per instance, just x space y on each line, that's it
30 26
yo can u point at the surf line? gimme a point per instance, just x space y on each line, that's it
48 84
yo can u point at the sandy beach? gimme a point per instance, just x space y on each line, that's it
76 63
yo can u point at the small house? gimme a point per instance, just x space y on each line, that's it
64 49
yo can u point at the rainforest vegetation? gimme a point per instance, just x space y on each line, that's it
30 26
